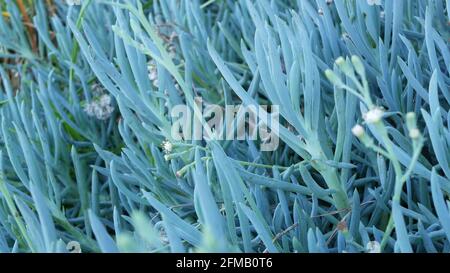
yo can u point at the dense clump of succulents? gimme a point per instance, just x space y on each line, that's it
88 162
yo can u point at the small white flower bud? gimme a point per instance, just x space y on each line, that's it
344 66
414 133
411 115
340 61
358 65
333 78
373 247
358 130
373 116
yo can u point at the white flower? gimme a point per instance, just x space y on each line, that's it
167 147
374 2
373 247
99 107
97 89
104 113
358 130
73 2
104 100
374 115
89 109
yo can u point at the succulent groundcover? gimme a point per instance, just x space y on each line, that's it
93 157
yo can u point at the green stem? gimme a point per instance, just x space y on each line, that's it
76 47
400 177
414 160
340 196
329 175
387 233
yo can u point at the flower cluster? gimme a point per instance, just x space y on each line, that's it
167 147
100 107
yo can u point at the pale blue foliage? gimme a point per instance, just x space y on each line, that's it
67 176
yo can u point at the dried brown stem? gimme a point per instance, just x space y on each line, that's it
28 24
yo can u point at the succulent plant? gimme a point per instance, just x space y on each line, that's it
89 162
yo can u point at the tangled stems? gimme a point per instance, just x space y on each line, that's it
373 117
400 177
